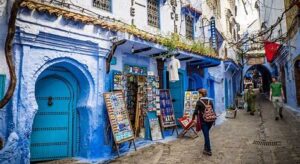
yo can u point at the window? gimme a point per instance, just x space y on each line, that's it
102 4
189 26
153 13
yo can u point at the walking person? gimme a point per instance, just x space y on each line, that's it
250 99
205 113
277 97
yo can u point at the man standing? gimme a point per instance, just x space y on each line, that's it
277 97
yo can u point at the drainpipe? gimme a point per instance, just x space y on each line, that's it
9 52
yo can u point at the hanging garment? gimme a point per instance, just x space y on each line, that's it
173 67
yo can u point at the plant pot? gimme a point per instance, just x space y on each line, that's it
231 113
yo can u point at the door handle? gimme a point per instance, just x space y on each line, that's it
50 101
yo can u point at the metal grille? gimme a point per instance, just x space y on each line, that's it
153 13
53 113
102 4
49 144
267 143
50 129
54 98
189 27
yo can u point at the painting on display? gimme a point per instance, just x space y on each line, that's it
118 81
153 93
190 101
166 108
156 133
118 116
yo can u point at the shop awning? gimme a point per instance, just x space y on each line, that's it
143 48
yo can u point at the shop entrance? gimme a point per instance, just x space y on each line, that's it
297 80
136 99
54 127
177 94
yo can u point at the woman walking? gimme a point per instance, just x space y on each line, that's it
203 105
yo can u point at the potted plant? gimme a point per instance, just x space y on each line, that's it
231 112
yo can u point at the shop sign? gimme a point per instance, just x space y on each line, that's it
135 70
213 33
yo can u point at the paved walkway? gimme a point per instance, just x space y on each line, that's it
244 140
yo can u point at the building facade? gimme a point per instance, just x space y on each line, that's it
287 58
65 53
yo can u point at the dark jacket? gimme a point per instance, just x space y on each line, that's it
200 107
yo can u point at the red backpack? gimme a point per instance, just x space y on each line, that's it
208 115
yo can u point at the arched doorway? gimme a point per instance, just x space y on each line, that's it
55 127
297 80
263 73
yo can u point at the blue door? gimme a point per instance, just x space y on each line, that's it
177 94
54 125
226 94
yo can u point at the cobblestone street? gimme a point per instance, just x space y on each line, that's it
246 139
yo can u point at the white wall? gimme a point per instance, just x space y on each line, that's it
3 32
270 10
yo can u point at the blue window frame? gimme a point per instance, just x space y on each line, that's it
103 4
153 13
189 27
2 85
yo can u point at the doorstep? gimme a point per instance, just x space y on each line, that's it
295 112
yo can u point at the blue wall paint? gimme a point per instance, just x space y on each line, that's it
226 93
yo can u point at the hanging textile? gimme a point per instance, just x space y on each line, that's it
271 50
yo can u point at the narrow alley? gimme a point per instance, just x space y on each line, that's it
121 81
246 139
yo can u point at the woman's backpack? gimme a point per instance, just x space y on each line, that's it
208 115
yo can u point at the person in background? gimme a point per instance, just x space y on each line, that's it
277 97
206 126
250 99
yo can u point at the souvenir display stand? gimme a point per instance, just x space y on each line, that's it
141 96
167 116
119 119
190 101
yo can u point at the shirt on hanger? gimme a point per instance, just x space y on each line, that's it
173 67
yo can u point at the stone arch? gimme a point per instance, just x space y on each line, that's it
85 104
265 71
79 71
